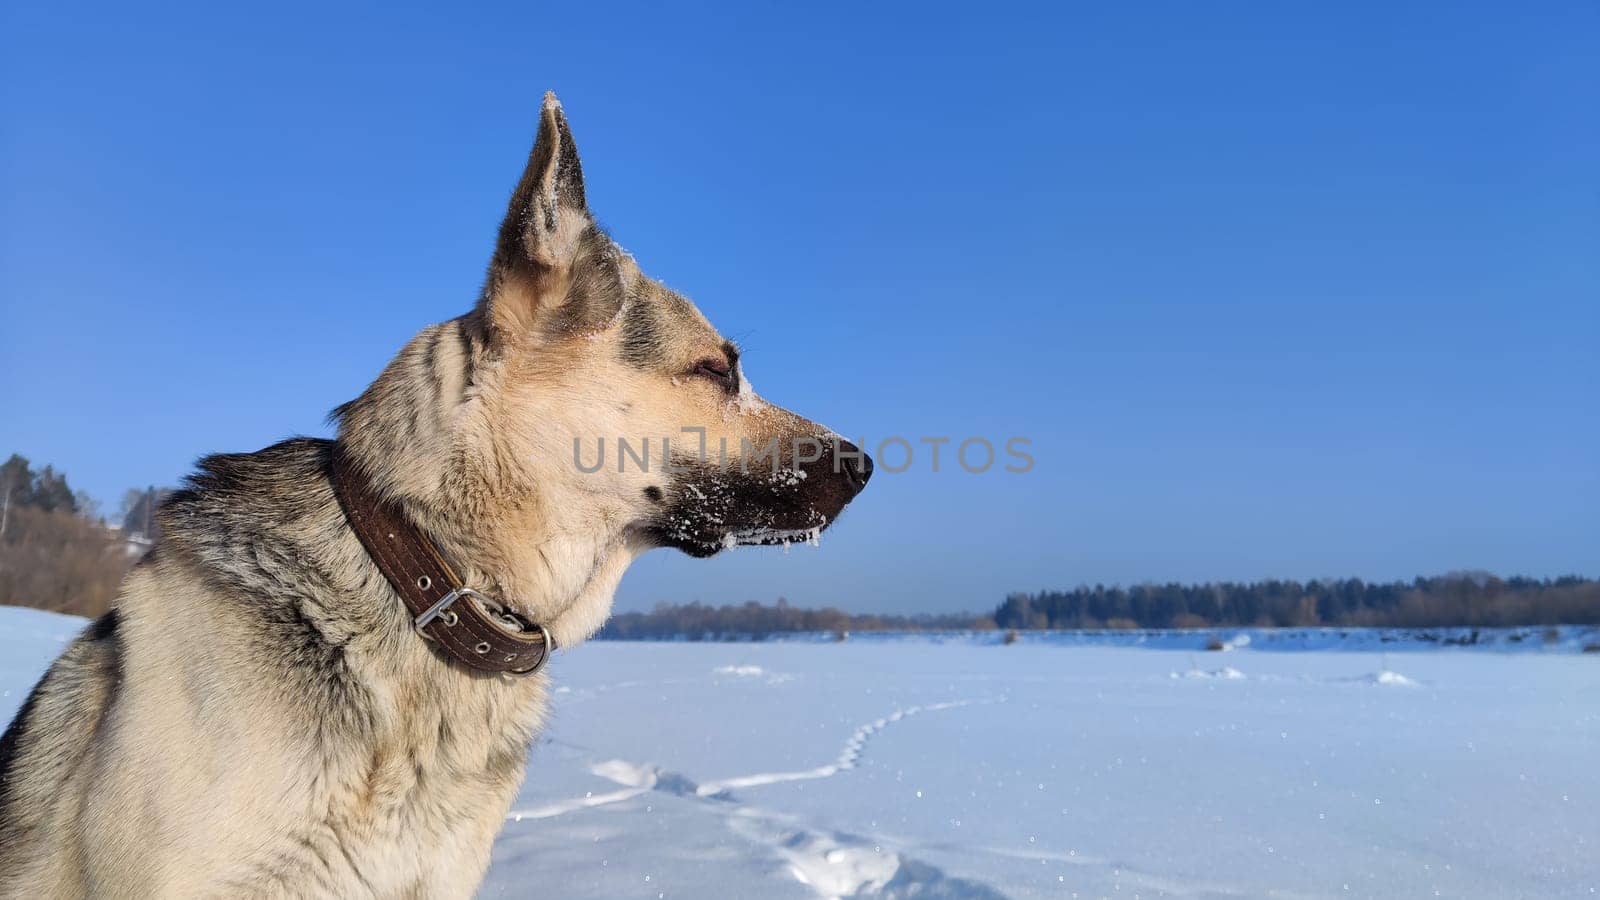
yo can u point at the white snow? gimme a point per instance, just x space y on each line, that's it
956 767
1226 673
29 640
1391 678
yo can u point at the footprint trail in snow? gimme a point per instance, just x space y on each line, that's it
637 779
833 864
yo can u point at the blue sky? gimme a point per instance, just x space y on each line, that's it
1276 290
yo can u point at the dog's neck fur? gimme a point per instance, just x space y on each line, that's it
558 563
258 562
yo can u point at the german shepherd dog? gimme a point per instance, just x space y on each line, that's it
258 715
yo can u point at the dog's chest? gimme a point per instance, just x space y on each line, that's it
425 797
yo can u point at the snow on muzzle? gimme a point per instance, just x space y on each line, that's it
779 496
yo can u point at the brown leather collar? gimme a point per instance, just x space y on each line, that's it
466 626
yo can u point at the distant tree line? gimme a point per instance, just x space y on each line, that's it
1470 599
139 507
56 552
1466 599
697 622
22 487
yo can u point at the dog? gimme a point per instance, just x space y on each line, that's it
261 715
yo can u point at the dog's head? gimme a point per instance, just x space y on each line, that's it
618 387
600 414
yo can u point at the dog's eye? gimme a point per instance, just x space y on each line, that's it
715 369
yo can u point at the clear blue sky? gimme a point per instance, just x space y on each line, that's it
1286 290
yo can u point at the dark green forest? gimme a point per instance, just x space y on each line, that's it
1469 599
1472 599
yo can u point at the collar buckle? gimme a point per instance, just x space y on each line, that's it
441 610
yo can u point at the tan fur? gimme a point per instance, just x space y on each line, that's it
258 719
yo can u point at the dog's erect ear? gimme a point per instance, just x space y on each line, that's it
547 231
548 212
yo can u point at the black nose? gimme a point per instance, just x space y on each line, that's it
854 463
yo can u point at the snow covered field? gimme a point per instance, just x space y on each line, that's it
918 768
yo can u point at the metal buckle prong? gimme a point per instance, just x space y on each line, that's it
439 608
